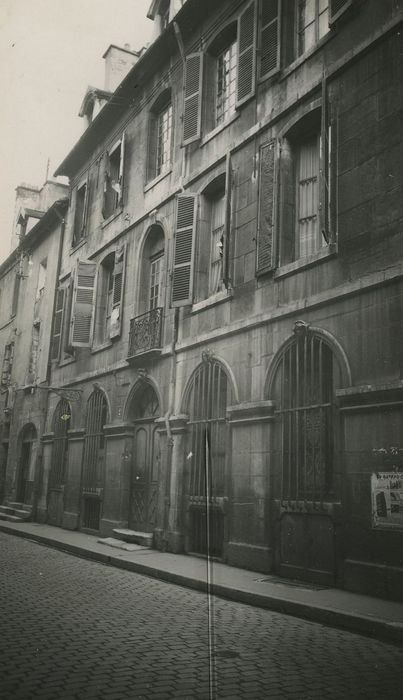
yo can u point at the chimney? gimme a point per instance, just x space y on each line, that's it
118 62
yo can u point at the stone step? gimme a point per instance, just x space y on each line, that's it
6 510
119 544
143 538
22 513
11 518
18 504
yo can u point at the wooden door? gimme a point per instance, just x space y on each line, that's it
145 476
24 471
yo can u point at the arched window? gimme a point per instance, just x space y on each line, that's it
304 386
208 398
61 424
93 459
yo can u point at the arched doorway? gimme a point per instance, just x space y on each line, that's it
209 394
304 451
57 476
26 466
93 477
145 469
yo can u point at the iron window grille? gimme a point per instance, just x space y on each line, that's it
93 457
61 425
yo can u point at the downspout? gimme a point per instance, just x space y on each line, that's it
168 415
39 460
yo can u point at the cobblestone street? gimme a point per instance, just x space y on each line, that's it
72 628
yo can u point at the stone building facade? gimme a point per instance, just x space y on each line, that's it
229 297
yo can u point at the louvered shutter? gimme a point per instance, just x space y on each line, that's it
182 281
117 294
337 8
227 222
267 208
57 325
83 305
270 37
246 53
122 168
192 98
333 178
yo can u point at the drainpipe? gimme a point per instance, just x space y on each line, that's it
167 417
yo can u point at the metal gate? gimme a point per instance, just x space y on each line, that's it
93 461
206 485
57 476
304 385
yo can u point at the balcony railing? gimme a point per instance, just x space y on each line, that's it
145 332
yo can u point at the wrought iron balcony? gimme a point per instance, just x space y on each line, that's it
145 333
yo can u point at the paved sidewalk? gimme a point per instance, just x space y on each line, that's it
358 613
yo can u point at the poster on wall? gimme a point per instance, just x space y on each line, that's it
387 499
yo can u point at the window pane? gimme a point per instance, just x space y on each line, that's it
164 135
308 198
323 23
226 83
216 254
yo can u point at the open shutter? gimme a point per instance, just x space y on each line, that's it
117 294
246 53
192 98
57 325
227 222
83 305
85 208
324 167
182 281
267 208
106 188
122 168
337 8
270 37
333 178
68 305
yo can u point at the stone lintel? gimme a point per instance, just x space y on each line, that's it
251 412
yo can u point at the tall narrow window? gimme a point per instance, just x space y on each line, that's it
61 425
155 281
164 140
304 385
7 364
16 293
93 459
308 237
217 243
105 298
80 213
312 23
226 80
41 278
113 178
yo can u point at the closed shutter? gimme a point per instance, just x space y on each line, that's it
227 222
122 168
57 325
337 8
182 282
117 294
193 97
246 53
267 207
270 37
83 305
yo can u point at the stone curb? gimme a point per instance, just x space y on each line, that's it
352 622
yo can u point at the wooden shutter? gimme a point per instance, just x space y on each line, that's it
83 305
68 305
227 222
337 8
270 37
182 280
192 98
122 168
85 208
57 325
106 188
117 293
333 179
246 53
266 243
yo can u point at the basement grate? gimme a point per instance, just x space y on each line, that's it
292 583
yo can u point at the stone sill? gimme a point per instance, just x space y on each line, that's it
112 217
218 129
303 263
102 346
212 300
149 185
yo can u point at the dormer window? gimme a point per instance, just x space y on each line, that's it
164 14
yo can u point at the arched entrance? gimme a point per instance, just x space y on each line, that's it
26 466
208 396
57 476
304 453
144 409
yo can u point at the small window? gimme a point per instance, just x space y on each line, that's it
41 278
80 214
164 14
113 179
312 23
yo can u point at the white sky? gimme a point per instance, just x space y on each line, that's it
50 50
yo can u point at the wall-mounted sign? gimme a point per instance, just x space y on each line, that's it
387 499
